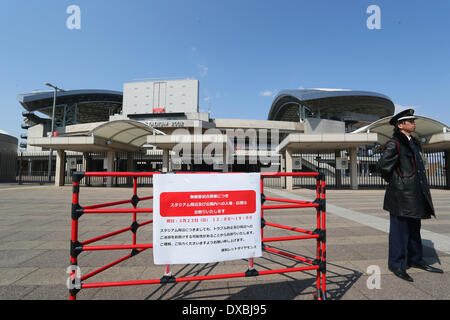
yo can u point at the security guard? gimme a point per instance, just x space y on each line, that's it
407 197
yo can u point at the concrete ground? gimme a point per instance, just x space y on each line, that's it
35 233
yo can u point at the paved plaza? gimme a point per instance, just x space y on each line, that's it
35 233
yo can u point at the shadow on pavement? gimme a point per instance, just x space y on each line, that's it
339 280
429 252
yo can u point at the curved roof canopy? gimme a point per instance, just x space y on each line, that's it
4 132
432 133
124 132
336 104
92 105
119 135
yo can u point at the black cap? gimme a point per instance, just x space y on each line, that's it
404 115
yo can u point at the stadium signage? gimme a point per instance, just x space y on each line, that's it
165 123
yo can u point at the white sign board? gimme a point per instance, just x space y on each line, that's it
165 96
176 164
218 165
425 162
203 218
71 163
341 163
297 163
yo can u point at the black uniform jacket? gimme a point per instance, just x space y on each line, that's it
407 194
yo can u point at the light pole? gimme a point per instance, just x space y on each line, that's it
50 155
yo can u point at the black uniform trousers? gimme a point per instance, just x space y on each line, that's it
405 242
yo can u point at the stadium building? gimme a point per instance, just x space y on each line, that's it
8 157
157 126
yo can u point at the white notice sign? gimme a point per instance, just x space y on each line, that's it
202 218
341 163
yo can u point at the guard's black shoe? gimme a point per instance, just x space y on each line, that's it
401 274
426 267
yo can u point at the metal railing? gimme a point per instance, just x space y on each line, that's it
368 175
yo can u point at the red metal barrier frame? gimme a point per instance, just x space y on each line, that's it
318 264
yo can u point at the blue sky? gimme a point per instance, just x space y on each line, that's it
242 52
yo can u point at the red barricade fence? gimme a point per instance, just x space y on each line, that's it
76 283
